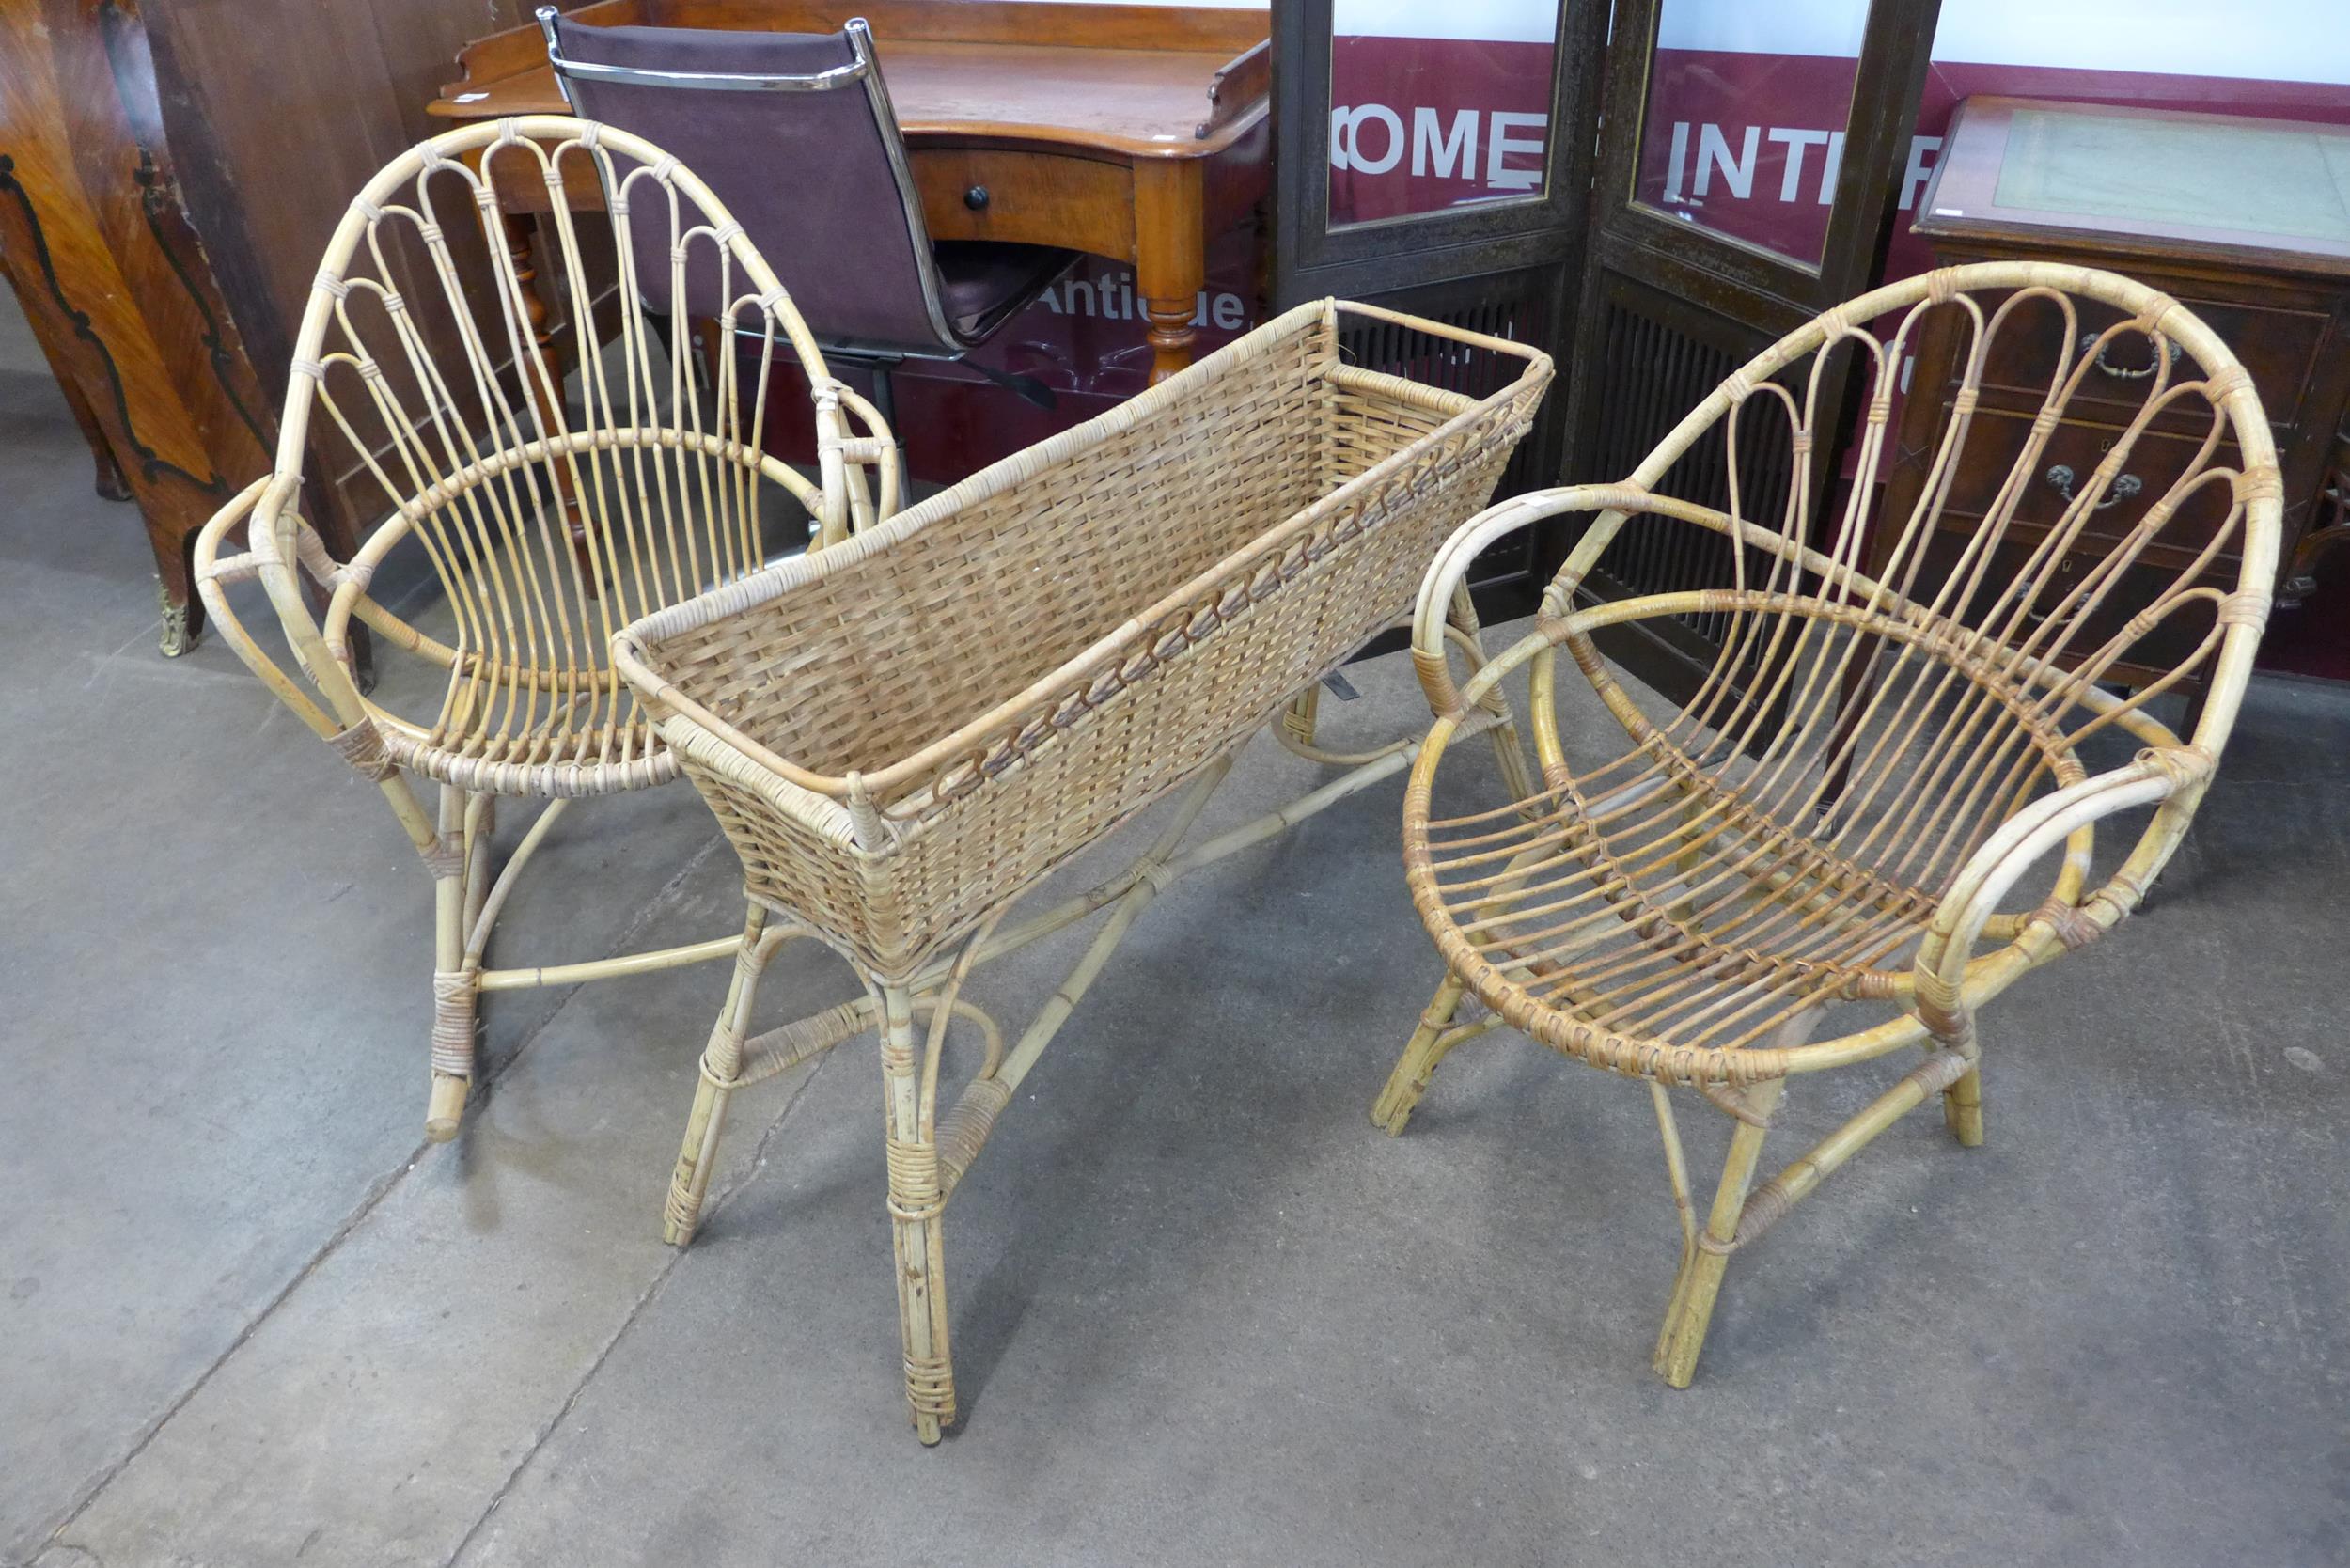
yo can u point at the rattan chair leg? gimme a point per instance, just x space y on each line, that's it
721 1064
480 829
456 989
1418 1065
1701 1266
1508 753
1962 1109
1300 719
917 1205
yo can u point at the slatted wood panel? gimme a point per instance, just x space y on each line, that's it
1652 368
1521 308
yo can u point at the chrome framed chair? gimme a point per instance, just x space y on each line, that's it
796 132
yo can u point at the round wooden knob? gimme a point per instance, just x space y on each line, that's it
976 199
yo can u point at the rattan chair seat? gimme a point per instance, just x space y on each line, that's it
1688 899
551 762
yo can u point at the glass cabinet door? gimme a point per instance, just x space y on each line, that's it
1753 142
1435 156
1415 142
1436 107
1742 130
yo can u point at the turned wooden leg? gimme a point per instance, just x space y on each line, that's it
916 1207
1418 1064
1702 1261
1170 257
721 1061
1962 1109
456 987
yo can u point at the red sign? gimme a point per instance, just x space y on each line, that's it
1420 124
1744 142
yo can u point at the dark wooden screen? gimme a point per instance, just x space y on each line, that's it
1507 268
1669 307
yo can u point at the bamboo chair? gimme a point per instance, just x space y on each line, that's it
546 527
989 683
1833 827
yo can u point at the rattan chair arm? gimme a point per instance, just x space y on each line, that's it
274 524
1449 568
355 737
876 448
2172 776
212 576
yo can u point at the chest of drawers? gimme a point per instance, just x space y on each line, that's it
2221 214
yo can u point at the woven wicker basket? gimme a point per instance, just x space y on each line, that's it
902 734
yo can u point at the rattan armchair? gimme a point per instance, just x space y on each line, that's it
546 522
1839 828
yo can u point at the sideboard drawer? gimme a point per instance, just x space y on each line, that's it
2279 346
1022 196
2165 648
2074 450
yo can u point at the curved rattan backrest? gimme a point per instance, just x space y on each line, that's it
2102 506
550 522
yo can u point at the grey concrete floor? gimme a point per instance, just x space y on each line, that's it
1204 1312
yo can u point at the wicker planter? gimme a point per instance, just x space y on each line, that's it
904 734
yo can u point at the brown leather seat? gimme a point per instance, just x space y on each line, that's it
984 283
795 134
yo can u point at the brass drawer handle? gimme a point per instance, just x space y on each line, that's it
2034 609
2060 480
2170 352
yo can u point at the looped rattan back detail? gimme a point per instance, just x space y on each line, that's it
2178 497
555 495
1891 688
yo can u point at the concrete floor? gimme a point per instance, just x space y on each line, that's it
1204 1312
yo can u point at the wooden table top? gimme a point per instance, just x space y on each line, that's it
1130 81
2114 181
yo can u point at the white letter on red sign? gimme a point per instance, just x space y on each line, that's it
1914 178
1503 144
1796 142
1433 149
1346 138
1714 152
